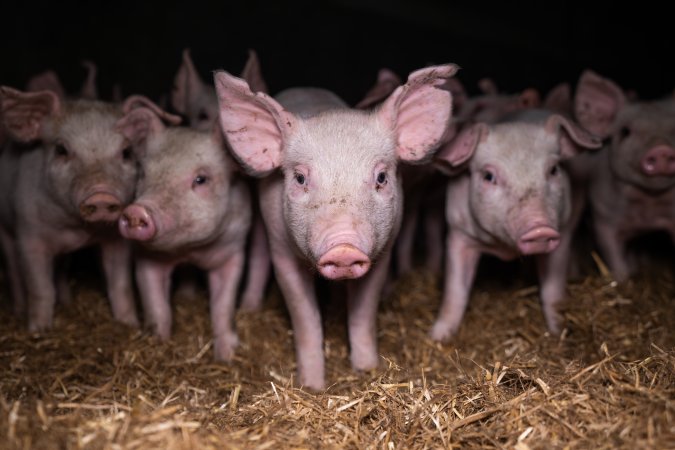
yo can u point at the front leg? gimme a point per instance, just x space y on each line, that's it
36 263
462 260
258 267
223 284
297 285
363 299
612 248
552 270
13 273
116 258
154 283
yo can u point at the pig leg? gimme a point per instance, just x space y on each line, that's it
13 273
433 236
363 299
223 284
612 248
154 283
552 271
462 260
297 285
258 267
406 237
37 264
116 259
63 291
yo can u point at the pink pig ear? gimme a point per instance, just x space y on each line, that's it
459 95
186 85
88 89
419 112
572 137
139 123
24 113
387 82
460 149
597 102
559 99
253 74
140 101
255 125
529 98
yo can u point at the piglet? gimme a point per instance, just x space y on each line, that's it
65 177
197 101
192 206
632 179
511 198
330 194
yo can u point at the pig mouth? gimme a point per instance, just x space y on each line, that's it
343 262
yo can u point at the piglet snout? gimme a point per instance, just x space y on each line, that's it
541 239
343 261
659 161
136 223
101 207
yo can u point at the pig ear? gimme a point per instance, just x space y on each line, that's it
559 99
597 102
88 89
419 112
46 81
139 123
141 101
254 125
459 95
253 74
387 82
487 86
572 137
529 98
186 85
24 113
460 149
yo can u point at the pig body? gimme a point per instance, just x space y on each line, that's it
334 207
513 198
66 174
632 179
191 207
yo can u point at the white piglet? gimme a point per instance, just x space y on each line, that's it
331 194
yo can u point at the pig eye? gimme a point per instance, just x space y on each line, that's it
300 179
489 177
203 116
381 179
61 151
553 171
199 180
624 132
126 154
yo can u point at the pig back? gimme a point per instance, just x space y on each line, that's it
307 102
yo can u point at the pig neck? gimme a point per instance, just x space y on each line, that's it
461 219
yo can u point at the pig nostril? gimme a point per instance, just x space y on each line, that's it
113 208
88 210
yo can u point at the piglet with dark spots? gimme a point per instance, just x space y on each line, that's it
319 150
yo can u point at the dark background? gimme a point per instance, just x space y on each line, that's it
340 44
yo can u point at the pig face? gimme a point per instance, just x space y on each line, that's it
183 187
342 195
90 169
518 193
643 146
641 134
